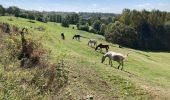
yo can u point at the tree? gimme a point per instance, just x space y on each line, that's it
31 15
13 11
65 23
73 18
24 15
83 27
59 19
97 25
122 34
102 29
92 19
125 16
2 10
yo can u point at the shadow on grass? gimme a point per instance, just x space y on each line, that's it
123 70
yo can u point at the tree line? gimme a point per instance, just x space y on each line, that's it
141 30
91 22
145 30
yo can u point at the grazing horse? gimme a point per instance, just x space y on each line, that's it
62 36
77 37
102 46
118 57
92 42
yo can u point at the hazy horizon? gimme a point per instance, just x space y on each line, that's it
103 6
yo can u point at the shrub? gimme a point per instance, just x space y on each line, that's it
45 78
5 27
84 28
92 30
42 19
10 19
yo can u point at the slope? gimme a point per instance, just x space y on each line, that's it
145 76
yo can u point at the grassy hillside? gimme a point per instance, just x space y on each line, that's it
145 76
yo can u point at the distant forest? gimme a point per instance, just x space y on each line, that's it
144 30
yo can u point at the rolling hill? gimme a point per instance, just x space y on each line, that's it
145 75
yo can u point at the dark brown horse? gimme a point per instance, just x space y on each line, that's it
77 37
62 36
101 46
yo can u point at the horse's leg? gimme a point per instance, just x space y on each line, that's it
111 62
106 49
119 65
122 66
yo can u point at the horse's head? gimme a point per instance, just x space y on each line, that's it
96 48
126 57
100 44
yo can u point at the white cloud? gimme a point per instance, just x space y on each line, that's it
151 6
144 5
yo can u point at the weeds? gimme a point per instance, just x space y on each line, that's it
40 79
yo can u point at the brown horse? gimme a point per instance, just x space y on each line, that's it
102 46
77 37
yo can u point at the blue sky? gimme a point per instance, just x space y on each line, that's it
111 6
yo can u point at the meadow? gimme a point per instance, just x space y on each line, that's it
146 74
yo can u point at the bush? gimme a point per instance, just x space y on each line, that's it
9 51
84 28
51 77
44 79
42 19
10 19
5 27
92 30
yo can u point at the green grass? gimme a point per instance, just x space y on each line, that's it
146 73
